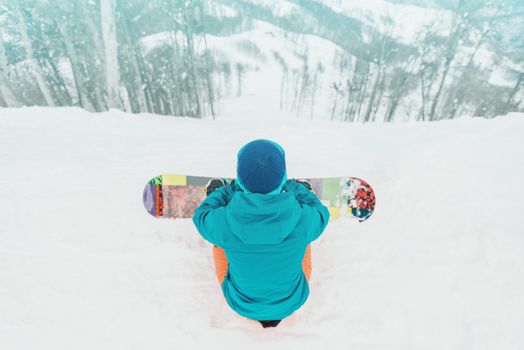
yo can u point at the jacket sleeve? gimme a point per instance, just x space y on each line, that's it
210 212
315 213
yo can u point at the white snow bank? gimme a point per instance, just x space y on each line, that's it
440 264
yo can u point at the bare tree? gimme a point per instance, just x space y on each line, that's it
6 93
36 70
137 79
519 84
108 23
305 82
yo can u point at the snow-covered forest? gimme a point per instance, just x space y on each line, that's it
331 59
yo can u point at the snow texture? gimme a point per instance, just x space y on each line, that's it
440 264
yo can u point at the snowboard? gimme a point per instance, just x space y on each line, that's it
177 196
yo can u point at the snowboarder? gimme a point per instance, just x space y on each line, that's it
261 226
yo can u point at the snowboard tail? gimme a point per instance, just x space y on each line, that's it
174 196
178 196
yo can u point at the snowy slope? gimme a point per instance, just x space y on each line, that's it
275 60
83 266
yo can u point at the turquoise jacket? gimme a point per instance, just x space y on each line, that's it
265 238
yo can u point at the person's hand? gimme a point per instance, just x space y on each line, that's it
301 189
234 186
213 185
305 183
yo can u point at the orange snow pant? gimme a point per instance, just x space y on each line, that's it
221 263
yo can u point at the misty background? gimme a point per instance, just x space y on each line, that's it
337 60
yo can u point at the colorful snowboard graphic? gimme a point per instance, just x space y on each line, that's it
177 196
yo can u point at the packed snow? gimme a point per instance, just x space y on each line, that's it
439 265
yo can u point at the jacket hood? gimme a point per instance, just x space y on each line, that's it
262 219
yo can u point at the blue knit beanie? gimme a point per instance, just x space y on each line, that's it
261 167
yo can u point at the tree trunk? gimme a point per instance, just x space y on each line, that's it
313 93
82 101
56 79
304 83
191 61
516 88
209 78
374 90
439 90
5 89
381 88
107 18
334 103
399 92
97 91
33 64
457 32
135 56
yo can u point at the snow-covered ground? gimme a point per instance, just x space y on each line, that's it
440 265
